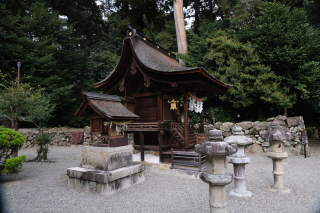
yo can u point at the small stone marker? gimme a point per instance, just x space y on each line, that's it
216 175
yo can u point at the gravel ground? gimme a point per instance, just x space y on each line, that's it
42 187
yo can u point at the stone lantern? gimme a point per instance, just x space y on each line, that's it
216 174
239 160
276 138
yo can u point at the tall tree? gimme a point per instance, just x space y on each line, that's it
238 64
286 41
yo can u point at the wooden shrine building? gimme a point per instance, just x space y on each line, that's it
149 77
105 112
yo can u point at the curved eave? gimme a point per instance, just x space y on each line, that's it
155 75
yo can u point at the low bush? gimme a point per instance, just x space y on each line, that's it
10 140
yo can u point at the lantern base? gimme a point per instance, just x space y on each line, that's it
283 190
235 194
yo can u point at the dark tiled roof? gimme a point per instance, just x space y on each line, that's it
155 59
112 109
107 106
92 95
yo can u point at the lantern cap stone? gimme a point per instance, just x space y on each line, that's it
276 134
238 138
216 148
215 135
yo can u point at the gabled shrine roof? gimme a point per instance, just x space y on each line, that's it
108 106
159 65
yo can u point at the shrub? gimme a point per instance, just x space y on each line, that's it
43 141
12 165
10 140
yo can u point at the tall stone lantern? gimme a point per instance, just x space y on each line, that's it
239 160
216 175
276 138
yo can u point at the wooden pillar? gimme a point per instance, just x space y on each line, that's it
142 146
201 123
185 115
160 139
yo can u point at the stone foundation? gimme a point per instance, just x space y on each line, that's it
105 182
106 158
106 170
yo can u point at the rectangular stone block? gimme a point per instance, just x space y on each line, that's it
101 176
106 158
107 189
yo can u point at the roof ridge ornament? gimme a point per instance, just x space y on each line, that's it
131 31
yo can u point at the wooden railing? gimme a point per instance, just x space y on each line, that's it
178 130
142 126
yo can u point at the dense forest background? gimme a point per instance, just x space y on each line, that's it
269 50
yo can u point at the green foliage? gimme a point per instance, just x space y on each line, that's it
285 40
101 63
239 12
309 132
8 138
165 37
43 139
9 141
52 57
39 108
12 165
14 101
239 65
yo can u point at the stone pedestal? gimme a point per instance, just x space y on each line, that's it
216 175
276 138
106 170
239 160
106 158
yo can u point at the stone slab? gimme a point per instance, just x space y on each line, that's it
235 194
283 190
165 169
106 189
101 176
106 158
238 160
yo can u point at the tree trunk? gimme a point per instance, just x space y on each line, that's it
285 111
180 29
196 16
211 10
12 123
